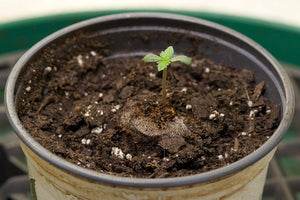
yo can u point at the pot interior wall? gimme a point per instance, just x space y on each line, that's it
138 36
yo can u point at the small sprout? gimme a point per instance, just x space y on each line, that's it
164 59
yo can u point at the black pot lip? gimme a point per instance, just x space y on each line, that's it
288 111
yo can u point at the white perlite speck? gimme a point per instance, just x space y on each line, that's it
166 159
226 155
219 89
79 60
60 135
83 141
88 141
268 111
220 157
152 75
97 130
212 116
207 70
244 133
117 107
100 94
188 107
128 156
183 90
87 114
253 113
93 53
115 151
231 103
250 103
47 69
222 115
28 89
216 112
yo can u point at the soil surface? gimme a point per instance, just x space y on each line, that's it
107 115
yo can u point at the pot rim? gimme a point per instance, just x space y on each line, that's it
25 137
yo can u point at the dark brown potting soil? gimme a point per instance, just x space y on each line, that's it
107 115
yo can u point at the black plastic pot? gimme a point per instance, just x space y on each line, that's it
218 43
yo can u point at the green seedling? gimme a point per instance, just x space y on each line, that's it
164 59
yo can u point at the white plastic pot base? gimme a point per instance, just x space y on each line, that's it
52 183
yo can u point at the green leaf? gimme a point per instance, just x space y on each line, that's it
162 64
151 58
184 59
168 53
